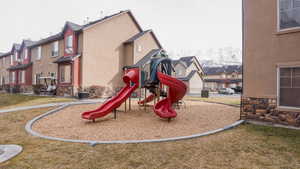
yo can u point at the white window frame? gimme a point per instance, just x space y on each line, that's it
55 49
16 55
13 78
69 49
11 59
278 20
39 53
278 88
26 53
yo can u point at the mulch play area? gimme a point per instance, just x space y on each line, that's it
137 124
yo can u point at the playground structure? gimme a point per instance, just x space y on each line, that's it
157 79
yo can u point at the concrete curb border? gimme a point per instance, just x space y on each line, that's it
29 125
10 151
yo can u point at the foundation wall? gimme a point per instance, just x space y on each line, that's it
265 109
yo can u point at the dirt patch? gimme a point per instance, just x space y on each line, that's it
137 124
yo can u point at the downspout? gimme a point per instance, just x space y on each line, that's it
243 55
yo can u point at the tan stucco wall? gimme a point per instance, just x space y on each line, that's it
129 54
146 43
45 64
104 54
265 48
3 68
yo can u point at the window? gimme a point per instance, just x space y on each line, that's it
16 55
139 48
65 73
289 87
39 53
36 78
69 44
13 77
22 76
55 48
25 53
289 14
11 59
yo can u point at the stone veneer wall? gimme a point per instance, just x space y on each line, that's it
64 91
264 109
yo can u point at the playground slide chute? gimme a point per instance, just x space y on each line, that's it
148 99
177 90
131 75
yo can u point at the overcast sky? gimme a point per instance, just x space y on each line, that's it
180 25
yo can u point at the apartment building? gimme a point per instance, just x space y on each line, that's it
271 61
5 63
189 70
20 69
229 76
81 56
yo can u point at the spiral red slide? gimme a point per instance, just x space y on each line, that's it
148 99
177 90
131 75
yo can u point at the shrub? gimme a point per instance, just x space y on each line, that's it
205 93
6 88
95 91
37 88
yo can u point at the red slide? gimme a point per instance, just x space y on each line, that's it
177 90
131 75
148 99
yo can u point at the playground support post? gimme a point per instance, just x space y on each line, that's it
129 104
125 105
144 104
115 114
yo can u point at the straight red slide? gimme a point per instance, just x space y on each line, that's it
131 76
177 90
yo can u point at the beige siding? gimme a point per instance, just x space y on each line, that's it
143 46
45 65
3 68
196 84
180 70
191 67
103 49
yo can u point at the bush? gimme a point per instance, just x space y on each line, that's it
6 88
205 93
95 91
37 88
16 89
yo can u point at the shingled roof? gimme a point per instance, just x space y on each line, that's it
48 39
77 28
188 77
20 66
224 69
4 54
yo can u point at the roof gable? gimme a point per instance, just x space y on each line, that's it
89 25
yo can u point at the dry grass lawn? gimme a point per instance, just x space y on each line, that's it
247 146
226 100
17 100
